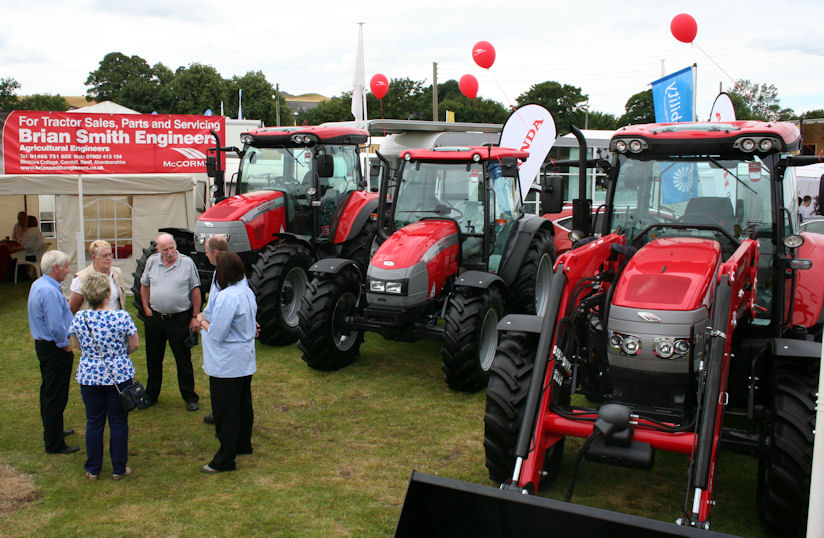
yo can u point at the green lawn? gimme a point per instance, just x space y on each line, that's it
333 451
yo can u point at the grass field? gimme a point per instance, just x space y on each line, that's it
333 452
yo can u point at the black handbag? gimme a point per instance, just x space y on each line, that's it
133 396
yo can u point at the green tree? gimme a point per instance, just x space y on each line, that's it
115 73
258 99
334 109
195 89
639 109
8 97
601 120
565 102
813 114
479 110
42 102
753 101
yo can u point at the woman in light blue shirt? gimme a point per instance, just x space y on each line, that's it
228 329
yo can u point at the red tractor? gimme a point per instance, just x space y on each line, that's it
456 252
697 301
298 198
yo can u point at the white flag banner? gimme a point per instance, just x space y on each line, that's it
722 109
530 128
359 83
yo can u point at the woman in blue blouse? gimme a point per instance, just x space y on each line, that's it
228 329
105 338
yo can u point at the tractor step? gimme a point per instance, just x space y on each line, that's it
436 506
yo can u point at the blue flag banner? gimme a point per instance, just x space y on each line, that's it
677 183
672 97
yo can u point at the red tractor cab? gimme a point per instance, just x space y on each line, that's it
455 252
298 197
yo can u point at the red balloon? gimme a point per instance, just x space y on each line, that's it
469 86
484 54
684 28
379 85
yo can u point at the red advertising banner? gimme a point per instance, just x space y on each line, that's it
85 143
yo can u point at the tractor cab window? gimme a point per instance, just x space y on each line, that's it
273 168
728 197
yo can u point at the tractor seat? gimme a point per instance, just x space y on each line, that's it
710 209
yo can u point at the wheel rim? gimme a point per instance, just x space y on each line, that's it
488 339
293 290
343 337
543 281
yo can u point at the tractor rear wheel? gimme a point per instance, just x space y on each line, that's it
470 337
359 249
529 293
784 471
137 275
279 279
326 341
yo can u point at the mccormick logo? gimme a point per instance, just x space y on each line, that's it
194 159
649 316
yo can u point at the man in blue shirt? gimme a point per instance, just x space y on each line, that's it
49 321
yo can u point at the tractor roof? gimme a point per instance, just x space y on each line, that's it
288 136
465 153
710 137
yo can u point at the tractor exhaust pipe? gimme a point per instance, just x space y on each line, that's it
581 206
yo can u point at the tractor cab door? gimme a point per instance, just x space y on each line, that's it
505 209
339 176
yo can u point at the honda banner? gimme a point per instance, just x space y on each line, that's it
722 108
85 143
530 128
672 97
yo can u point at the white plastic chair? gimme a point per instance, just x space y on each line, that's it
20 256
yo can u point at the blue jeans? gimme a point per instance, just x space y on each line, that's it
102 401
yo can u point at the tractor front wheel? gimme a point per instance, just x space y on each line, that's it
529 293
326 341
470 337
279 279
783 492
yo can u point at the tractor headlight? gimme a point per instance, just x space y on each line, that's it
621 146
615 340
765 145
635 146
748 144
682 347
200 238
246 138
393 287
664 348
631 345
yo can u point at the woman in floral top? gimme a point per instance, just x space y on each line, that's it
113 334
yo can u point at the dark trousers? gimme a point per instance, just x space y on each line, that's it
102 401
56 371
158 332
234 416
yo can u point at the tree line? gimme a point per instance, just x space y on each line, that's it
130 81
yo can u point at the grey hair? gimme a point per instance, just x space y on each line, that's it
51 258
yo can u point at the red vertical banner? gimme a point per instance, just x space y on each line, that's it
83 143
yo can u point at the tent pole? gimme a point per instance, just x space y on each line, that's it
81 234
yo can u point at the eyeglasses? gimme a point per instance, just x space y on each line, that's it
109 255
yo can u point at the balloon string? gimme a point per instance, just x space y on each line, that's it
751 97
481 117
384 119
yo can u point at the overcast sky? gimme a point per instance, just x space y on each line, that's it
611 50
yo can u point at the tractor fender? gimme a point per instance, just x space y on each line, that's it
477 279
348 226
521 322
287 237
516 250
796 349
808 303
332 266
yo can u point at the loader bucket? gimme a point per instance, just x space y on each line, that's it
436 506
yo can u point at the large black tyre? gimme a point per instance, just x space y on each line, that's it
359 248
506 394
137 301
470 337
784 471
326 342
279 278
529 293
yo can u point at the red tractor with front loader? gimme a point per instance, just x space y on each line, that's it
455 253
690 322
299 196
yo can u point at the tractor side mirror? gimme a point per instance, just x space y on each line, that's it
211 164
325 165
509 167
552 195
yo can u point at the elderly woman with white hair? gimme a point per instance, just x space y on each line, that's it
101 254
